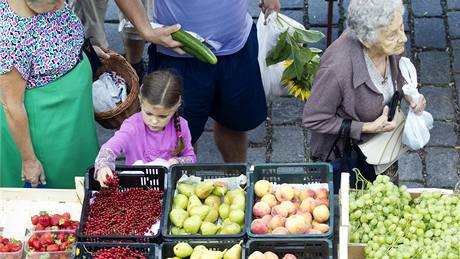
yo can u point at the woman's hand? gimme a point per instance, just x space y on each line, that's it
173 161
100 53
381 124
32 172
103 174
162 36
419 106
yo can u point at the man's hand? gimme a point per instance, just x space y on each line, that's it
162 36
268 6
32 172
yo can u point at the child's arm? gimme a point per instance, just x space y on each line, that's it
188 155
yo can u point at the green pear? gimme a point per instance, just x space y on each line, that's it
175 257
207 228
238 202
220 189
183 232
212 216
180 201
234 252
200 248
193 201
192 224
236 216
178 216
201 211
213 201
182 250
186 189
176 230
198 252
224 210
204 189
231 229
210 254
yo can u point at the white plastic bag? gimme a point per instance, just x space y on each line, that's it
417 128
268 35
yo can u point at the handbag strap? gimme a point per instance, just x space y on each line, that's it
344 132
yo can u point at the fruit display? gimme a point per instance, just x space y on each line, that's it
10 248
123 213
393 225
207 208
50 244
185 250
103 250
289 209
118 252
45 221
269 255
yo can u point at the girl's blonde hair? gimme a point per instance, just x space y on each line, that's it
164 87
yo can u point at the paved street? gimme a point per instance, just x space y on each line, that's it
433 30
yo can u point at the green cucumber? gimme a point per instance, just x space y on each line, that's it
194 47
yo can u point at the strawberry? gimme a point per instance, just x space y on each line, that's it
66 215
54 221
5 241
39 227
37 245
34 219
52 248
64 222
44 219
4 249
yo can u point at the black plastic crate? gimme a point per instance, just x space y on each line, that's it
84 250
301 248
205 171
295 173
148 177
166 250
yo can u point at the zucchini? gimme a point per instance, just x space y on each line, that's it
194 47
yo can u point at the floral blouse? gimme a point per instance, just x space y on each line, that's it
43 47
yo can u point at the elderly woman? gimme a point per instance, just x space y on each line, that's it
47 124
357 78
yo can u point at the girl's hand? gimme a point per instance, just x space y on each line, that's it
32 172
173 161
103 174
381 124
419 106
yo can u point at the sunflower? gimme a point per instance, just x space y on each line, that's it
296 87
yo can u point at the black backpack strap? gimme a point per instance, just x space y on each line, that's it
91 54
344 132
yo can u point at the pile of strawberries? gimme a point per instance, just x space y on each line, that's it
118 252
9 245
44 221
52 242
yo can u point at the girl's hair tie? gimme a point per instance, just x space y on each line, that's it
179 134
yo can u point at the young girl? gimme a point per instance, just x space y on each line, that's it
156 132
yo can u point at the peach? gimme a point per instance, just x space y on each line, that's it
277 221
279 210
322 193
261 209
323 201
321 213
289 206
284 192
289 256
322 227
280 231
270 199
313 231
257 255
258 226
296 225
267 218
306 216
308 205
297 192
307 193
262 187
270 255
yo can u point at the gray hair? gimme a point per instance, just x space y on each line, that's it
366 18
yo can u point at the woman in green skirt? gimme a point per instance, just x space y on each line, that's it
47 126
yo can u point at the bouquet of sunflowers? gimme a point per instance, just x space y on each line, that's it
301 62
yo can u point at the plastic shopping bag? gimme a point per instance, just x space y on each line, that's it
268 35
417 128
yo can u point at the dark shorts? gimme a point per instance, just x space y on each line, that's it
230 92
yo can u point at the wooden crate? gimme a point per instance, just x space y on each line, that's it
356 250
18 205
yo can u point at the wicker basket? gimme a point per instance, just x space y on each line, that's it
114 118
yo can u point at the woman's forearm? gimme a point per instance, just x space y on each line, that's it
18 123
135 11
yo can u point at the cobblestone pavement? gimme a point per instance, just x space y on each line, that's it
433 30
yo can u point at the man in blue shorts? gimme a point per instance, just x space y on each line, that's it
231 91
